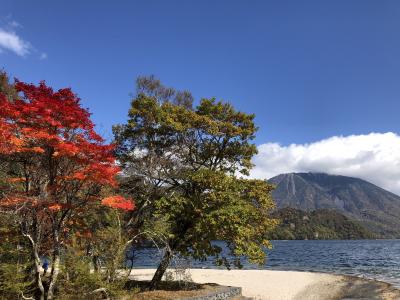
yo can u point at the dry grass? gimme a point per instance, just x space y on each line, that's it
169 290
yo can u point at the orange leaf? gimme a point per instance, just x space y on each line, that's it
55 207
118 202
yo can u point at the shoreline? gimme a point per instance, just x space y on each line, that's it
297 285
395 285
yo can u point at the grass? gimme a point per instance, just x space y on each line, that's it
169 290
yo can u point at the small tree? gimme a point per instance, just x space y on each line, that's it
60 166
15 264
110 242
6 87
182 165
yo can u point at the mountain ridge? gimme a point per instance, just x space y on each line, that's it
374 207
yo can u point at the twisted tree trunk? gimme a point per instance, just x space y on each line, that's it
38 275
36 259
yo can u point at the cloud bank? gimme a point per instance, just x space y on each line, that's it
9 40
374 157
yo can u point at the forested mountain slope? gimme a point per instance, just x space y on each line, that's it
375 208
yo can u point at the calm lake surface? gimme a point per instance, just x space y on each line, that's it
374 259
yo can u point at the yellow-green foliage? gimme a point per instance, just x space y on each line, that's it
76 277
15 276
110 245
223 208
182 166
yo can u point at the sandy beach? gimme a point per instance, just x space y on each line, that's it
286 285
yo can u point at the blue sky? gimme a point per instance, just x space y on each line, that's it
308 69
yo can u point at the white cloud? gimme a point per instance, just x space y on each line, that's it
14 24
9 40
43 56
374 157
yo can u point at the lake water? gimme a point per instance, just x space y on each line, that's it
374 259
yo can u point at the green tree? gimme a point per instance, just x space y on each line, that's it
6 87
15 267
182 165
98 235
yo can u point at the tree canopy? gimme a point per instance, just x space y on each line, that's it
58 168
184 165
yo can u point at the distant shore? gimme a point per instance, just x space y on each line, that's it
277 285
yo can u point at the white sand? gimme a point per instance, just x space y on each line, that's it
266 284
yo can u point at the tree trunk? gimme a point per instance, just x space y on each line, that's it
38 275
162 267
96 263
55 267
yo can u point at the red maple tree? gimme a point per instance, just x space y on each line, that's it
58 167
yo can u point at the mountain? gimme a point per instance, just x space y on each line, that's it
375 208
323 224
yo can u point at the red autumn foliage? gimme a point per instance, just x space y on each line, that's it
52 138
118 202
58 167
